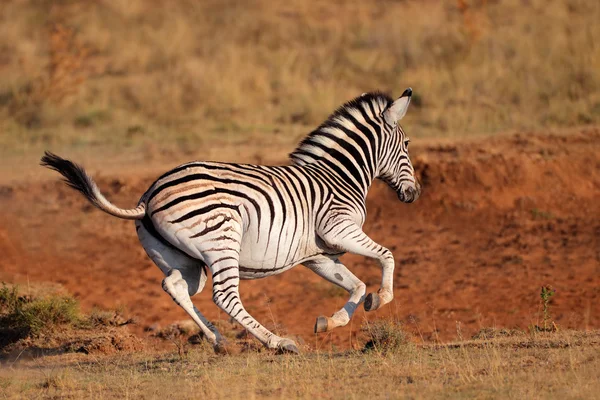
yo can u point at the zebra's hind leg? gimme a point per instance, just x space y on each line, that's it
226 278
335 272
186 276
176 285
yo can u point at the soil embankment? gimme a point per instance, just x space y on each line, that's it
498 218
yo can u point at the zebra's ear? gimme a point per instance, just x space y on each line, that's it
397 110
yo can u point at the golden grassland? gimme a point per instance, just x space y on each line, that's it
91 73
558 365
496 363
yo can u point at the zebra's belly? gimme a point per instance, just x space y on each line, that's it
248 273
257 271
261 261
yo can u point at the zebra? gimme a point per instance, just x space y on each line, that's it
242 221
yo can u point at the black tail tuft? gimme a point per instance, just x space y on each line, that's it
74 175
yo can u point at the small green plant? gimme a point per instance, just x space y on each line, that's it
9 298
546 295
43 314
549 325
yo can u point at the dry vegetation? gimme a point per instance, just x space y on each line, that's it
544 366
130 77
121 72
48 321
495 363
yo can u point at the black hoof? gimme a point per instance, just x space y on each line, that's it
288 348
372 302
321 325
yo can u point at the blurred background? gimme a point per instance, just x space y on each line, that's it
109 72
503 122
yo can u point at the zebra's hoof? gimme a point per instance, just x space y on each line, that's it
322 324
287 346
372 302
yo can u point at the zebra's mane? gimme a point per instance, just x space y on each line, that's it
344 115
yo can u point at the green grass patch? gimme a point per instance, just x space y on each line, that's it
22 316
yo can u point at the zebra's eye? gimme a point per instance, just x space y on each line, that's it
406 142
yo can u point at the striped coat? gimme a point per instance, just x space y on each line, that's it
241 221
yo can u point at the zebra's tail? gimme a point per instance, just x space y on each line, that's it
76 177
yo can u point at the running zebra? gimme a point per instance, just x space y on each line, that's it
242 221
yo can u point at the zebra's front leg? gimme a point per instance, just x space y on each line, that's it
346 236
335 272
226 295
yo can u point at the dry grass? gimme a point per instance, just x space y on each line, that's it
22 316
496 363
564 365
88 73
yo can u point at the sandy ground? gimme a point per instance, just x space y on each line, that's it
498 218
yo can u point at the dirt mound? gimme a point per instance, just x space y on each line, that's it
498 218
78 341
49 322
107 343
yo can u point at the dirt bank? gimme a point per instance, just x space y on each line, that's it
498 219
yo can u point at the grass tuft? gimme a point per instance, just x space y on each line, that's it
47 313
386 336
23 316
546 295
50 322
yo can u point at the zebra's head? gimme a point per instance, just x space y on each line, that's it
395 167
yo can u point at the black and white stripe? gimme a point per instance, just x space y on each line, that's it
251 221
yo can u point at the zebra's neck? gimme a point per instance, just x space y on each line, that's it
347 143
353 177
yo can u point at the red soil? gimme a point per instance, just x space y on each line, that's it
498 218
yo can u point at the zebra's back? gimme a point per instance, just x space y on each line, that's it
269 211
